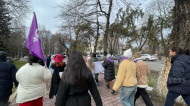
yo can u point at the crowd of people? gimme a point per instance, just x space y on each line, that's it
73 77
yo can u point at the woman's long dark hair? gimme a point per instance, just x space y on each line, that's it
33 59
76 72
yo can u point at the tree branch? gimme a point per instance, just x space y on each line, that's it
100 6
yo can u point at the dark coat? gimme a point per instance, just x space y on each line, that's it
55 80
179 75
109 73
69 95
7 77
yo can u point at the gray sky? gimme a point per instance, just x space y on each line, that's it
47 12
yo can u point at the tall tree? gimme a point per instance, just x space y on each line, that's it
18 11
45 36
162 10
124 27
181 26
4 25
180 37
107 15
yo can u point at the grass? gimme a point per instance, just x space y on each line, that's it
116 70
152 80
19 64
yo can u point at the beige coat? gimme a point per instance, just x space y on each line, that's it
142 73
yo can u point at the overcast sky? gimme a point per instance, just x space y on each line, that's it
47 12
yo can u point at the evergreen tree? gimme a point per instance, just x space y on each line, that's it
4 25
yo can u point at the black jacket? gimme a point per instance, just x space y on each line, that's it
55 80
109 73
69 95
7 77
179 75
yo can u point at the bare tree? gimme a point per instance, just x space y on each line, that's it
107 15
162 9
18 10
45 38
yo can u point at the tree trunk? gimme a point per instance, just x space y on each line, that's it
181 27
180 37
107 26
142 45
97 36
162 39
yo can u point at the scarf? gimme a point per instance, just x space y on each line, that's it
136 60
110 59
123 58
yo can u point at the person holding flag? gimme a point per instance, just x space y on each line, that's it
32 76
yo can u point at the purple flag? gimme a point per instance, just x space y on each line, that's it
33 41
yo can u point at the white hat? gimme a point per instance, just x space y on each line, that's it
108 55
128 53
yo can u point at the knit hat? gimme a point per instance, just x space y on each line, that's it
108 55
58 58
137 55
128 53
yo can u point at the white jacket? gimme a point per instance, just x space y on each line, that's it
31 80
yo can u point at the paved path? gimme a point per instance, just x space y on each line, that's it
107 98
155 65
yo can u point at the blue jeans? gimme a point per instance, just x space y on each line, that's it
171 96
128 95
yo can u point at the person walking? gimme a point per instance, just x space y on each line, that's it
77 80
7 78
126 78
94 59
48 60
109 73
58 66
142 80
178 82
32 87
89 64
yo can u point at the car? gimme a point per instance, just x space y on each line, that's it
148 57
117 56
100 57
25 57
9 59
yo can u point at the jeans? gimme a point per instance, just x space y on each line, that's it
142 92
171 96
118 61
4 102
128 95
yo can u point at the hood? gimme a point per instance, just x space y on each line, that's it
185 58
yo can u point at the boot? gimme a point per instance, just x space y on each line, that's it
113 92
